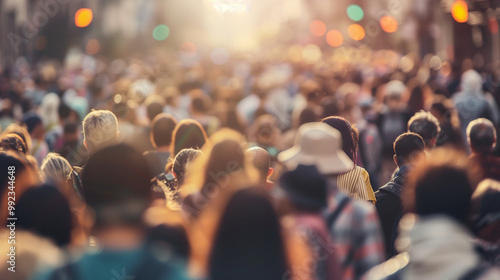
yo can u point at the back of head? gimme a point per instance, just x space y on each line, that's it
32 121
306 188
46 212
265 130
22 132
345 129
261 160
153 109
12 142
471 81
100 129
440 185
485 210
11 161
408 147
162 128
395 89
55 169
188 134
307 116
482 136
116 183
248 243
226 157
426 125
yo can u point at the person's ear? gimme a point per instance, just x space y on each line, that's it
85 143
395 160
432 142
270 172
175 175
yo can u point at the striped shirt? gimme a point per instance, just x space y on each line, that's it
356 185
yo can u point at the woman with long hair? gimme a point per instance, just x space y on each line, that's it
355 182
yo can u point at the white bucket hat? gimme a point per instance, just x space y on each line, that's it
317 144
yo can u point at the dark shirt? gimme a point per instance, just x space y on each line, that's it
390 209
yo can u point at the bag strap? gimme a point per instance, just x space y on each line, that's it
334 216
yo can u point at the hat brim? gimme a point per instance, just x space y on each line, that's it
326 164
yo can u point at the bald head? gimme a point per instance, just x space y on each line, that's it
261 161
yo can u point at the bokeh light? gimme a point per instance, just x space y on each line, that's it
355 13
93 47
219 56
435 63
161 32
188 47
356 32
317 28
83 17
334 38
311 53
294 53
389 24
406 64
460 11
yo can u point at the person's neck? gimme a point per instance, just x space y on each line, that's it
163 149
120 237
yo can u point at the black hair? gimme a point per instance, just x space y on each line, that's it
407 145
248 243
425 125
188 134
70 128
443 190
45 212
154 109
344 127
162 128
481 137
307 116
117 178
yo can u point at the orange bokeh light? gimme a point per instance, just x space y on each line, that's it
389 24
334 38
460 11
356 32
83 17
317 28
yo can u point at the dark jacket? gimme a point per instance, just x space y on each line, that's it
390 209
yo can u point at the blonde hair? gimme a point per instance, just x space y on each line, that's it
100 129
55 168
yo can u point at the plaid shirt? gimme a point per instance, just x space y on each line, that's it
357 235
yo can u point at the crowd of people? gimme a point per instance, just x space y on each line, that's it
173 167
